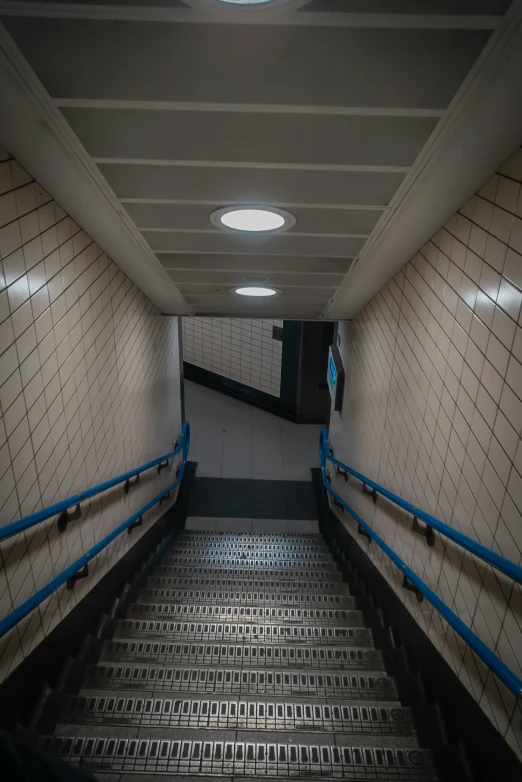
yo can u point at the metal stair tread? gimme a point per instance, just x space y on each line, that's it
242 758
252 632
243 598
239 713
243 654
219 680
249 583
224 613
242 572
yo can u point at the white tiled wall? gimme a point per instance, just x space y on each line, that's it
433 410
237 348
89 388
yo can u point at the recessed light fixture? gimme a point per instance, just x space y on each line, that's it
256 291
261 5
252 219
244 2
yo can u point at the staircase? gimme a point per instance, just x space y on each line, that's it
239 655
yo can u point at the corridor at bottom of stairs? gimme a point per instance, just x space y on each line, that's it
242 655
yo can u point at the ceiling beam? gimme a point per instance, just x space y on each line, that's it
244 234
284 205
124 161
105 12
245 108
243 254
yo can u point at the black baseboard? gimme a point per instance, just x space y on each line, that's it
243 498
21 690
488 755
252 396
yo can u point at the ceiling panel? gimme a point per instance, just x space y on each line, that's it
250 185
254 264
266 138
279 279
322 66
215 290
196 217
282 244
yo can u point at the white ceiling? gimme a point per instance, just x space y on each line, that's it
328 111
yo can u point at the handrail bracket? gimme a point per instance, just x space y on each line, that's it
65 517
426 531
368 490
163 465
129 483
412 588
165 498
83 573
342 473
137 523
362 531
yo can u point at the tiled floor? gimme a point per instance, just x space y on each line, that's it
232 439
252 525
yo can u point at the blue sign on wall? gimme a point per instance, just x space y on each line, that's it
335 377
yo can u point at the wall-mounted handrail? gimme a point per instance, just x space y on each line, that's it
494 663
61 507
81 564
497 561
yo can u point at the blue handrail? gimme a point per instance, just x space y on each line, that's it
494 663
497 561
59 507
23 610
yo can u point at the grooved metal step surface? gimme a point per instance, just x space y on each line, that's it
264 584
251 559
215 549
242 758
244 572
371 686
239 598
239 715
261 539
324 616
240 655
249 562
266 655
244 631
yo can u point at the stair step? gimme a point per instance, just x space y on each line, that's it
301 586
188 597
250 562
224 613
269 550
286 558
373 685
307 758
261 539
220 573
252 632
239 713
243 654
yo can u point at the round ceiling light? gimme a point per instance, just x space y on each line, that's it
256 291
252 219
244 2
